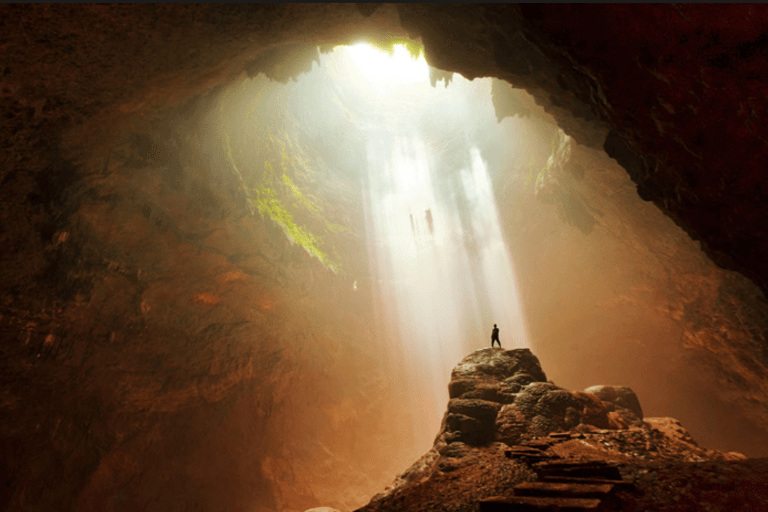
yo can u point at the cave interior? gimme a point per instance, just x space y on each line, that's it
241 254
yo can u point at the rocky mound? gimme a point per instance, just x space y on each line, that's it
506 424
503 395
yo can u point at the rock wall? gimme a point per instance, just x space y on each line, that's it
184 357
505 425
162 350
617 292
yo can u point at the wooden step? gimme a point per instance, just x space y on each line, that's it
532 457
620 484
541 444
522 450
562 489
596 469
568 464
529 454
532 504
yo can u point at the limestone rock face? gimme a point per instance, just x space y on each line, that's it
505 422
503 395
473 419
163 346
505 371
618 396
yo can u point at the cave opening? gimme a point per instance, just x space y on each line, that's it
324 231
188 328
365 143
437 268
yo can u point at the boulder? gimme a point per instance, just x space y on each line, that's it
496 365
542 408
503 395
621 396
472 431
480 409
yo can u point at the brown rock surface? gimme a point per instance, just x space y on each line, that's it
456 475
620 396
520 403
164 349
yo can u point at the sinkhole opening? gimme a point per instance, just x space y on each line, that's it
445 206
390 174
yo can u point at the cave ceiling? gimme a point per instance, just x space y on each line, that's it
118 254
679 87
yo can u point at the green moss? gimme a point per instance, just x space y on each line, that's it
299 196
326 48
529 173
387 45
280 187
266 203
544 172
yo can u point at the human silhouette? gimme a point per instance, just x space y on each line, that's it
495 336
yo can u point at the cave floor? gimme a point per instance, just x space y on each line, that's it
657 480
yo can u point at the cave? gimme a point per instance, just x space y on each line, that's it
195 310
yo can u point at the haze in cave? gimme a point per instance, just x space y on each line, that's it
429 159
238 268
423 160
440 272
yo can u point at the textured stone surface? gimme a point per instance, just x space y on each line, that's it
157 343
507 369
154 344
618 395
547 430
533 406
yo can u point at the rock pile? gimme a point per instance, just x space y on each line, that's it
504 395
506 425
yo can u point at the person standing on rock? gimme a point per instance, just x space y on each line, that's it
495 336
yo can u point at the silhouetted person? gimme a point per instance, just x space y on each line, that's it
495 336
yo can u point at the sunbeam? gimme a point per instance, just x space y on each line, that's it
442 267
439 272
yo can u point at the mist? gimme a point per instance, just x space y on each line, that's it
435 268
245 247
445 215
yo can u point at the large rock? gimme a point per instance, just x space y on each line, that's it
478 436
542 408
503 395
473 419
620 396
492 366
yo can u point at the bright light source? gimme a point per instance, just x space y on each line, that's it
378 67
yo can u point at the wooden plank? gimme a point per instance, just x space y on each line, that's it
563 489
586 470
574 479
532 504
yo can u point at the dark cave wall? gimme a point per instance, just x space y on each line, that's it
164 349
183 356
615 292
681 88
684 89
145 341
